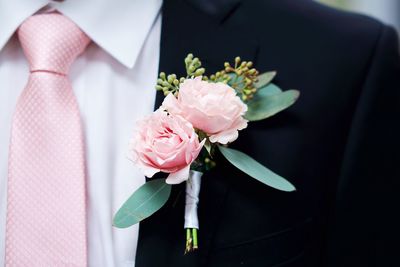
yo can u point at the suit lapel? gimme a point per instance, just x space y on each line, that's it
191 27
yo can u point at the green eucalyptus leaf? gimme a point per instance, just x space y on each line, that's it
232 76
208 147
254 169
145 201
264 79
236 82
268 105
270 89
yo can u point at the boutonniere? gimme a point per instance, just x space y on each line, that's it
200 116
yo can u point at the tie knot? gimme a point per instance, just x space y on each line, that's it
51 42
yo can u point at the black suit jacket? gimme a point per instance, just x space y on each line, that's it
339 144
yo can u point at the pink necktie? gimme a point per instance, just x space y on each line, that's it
46 209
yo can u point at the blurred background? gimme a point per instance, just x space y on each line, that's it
387 11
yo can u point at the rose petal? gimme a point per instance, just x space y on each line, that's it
225 137
171 104
179 176
211 107
148 170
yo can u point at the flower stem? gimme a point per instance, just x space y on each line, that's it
191 240
195 242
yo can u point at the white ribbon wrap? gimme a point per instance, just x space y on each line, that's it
192 199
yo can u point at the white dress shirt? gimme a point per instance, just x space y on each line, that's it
114 83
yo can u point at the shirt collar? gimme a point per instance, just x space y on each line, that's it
120 27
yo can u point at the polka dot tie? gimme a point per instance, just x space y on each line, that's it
46 206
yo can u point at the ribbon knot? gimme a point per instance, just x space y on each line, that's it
51 42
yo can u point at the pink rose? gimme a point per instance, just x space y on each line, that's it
165 143
213 108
